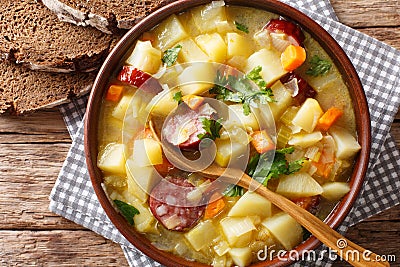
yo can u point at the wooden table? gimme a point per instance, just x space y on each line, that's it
33 148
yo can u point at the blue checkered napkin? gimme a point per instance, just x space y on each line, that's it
74 198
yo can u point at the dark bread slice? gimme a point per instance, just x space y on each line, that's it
23 90
33 36
104 15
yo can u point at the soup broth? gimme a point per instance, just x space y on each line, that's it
268 98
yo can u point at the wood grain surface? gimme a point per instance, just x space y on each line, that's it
33 148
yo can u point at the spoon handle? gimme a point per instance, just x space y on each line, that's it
349 251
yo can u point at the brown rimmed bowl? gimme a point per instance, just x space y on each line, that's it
112 62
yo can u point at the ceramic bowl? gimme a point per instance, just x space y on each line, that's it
318 33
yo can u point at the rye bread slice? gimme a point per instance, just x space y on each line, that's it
23 90
33 36
104 15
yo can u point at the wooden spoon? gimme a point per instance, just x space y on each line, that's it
352 253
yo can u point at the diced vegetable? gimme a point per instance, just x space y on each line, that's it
141 179
221 261
238 231
305 140
112 159
279 225
283 136
238 62
323 169
237 117
168 33
163 103
263 39
298 185
241 256
335 191
228 151
304 90
147 152
293 57
238 45
114 93
221 248
308 115
191 52
202 235
262 142
145 57
208 17
346 144
122 106
283 99
193 101
279 41
270 62
251 204
215 206
196 79
329 118
213 45
115 181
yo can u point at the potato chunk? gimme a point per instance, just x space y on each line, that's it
270 61
298 185
238 45
213 45
283 98
305 140
196 79
163 103
241 256
238 231
202 235
308 115
169 33
251 204
237 118
112 159
346 144
335 191
145 57
285 229
147 152
191 52
210 17
141 179
229 152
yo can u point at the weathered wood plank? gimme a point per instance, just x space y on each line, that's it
58 248
42 122
27 175
368 13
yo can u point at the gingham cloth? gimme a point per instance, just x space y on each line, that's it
378 66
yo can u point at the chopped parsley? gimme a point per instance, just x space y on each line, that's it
318 66
126 210
241 27
258 165
171 55
178 97
212 128
245 93
233 191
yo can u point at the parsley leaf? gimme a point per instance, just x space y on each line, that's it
258 167
178 97
212 128
126 210
233 191
171 55
318 66
241 27
245 93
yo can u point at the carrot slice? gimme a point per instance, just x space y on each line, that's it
262 142
323 169
329 118
293 57
193 101
215 206
114 93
